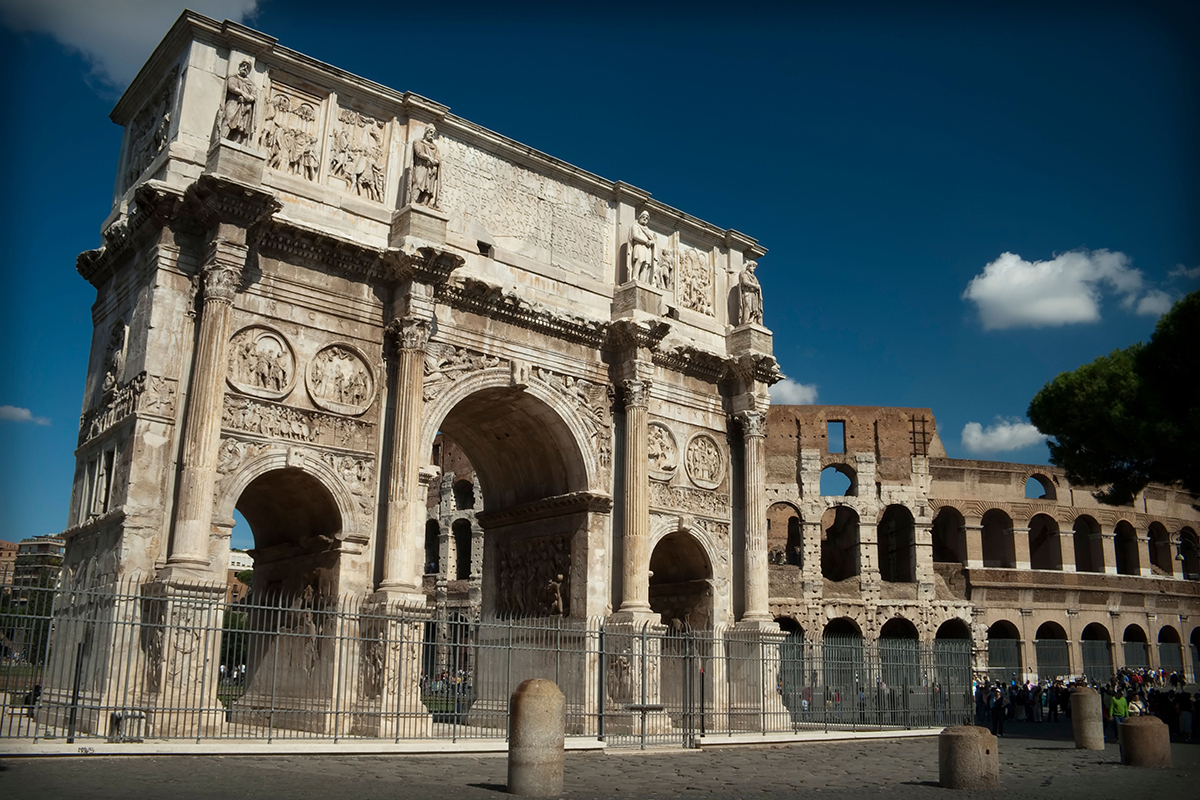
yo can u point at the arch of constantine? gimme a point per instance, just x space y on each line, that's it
438 371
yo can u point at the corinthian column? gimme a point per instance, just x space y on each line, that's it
754 432
404 534
635 572
187 557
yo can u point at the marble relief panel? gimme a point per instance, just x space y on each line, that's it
291 132
358 149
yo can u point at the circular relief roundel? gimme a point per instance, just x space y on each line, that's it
662 451
340 380
261 363
705 461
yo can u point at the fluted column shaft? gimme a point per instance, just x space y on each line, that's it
404 534
757 580
188 551
635 565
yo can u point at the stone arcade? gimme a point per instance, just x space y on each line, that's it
307 277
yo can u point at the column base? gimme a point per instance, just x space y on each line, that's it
187 574
764 624
635 616
406 597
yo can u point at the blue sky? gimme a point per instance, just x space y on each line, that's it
960 201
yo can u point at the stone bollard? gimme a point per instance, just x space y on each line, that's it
968 758
1145 742
537 730
1087 721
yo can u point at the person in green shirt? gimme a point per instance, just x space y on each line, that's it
1118 709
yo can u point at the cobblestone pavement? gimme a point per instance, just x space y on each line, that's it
1048 767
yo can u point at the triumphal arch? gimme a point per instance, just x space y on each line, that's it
307 276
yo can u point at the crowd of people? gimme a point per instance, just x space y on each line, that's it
1130 692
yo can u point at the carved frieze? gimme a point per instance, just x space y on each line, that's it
692 501
290 133
144 393
358 154
534 577
150 130
340 380
663 452
261 363
481 297
593 403
445 364
276 421
694 287
705 461
516 203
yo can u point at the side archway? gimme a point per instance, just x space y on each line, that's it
1135 647
1004 652
1052 651
1096 646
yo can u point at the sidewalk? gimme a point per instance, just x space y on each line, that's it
1048 767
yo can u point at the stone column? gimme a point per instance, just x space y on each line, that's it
868 552
404 534
754 432
1108 546
635 566
1066 546
974 535
1021 547
811 571
224 259
1144 554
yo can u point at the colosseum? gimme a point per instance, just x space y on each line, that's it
873 531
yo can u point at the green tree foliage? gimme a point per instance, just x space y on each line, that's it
245 576
1132 417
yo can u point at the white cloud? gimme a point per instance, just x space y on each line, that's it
1155 303
1000 436
1185 273
14 414
790 393
115 36
1014 293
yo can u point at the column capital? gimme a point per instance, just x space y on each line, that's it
409 332
220 282
637 392
754 423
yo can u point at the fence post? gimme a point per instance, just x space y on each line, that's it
602 681
75 693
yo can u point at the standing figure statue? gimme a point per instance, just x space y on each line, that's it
235 120
424 180
750 303
641 250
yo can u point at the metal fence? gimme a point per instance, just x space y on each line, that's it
1097 659
1004 660
127 662
1053 658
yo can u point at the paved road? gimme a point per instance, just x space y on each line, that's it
1047 768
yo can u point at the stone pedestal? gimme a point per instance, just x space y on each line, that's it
968 758
749 338
634 299
238 162
536 740
181 628
418 222
1087 722
1145 742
